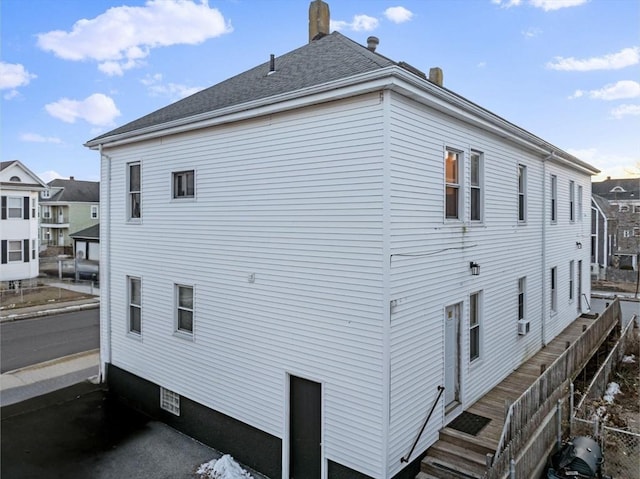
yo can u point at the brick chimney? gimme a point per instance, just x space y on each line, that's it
318 19
71 178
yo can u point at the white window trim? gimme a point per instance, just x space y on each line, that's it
95 212
460 213
580 205
130 331
9 251
130 193
173 185
478 325
572 281
479 187
572 201
554 199
522 291
553 289
522 168
181 332
9 207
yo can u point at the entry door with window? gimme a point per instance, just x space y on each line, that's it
305 403
451 355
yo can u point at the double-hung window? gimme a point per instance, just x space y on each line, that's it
134 286
572 201
571 279
522 285
184 309
94 212
554 289
184 184
452 187
579 212
14 251
522 193
14 207
476 186
554 198
133 191
474 326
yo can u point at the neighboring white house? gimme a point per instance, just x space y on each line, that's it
293 260
19 188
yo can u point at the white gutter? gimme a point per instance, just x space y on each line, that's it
543 329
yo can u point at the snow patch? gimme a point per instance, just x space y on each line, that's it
612 390
629 359
224 468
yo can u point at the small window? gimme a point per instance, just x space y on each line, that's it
617 189
636 209
184 302
184 184
15 179
94 212
554 289
522 285
522 192
626 234
14 206
452 187
554 198
636 232
571 279
33 207
135 305
474 327
134 184
572 201
46 212
14 251
623 208
33 248
170 401
46 193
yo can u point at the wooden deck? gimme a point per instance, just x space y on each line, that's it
495 403
460 455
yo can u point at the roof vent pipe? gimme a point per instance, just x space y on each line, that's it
272 64
372 43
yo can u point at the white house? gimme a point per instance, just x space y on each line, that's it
293 260
19 188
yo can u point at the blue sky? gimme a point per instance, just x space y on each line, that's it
565 70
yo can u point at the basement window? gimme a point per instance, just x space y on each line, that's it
169 401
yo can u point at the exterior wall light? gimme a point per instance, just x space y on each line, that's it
579 245
475 268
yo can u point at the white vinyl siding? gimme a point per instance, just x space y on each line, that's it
295 200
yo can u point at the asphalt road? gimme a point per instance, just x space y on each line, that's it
32 341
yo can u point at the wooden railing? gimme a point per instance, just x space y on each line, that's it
527 412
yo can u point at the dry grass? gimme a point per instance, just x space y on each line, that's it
41 295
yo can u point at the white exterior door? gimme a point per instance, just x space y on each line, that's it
451 355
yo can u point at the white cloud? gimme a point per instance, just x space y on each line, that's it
398 14
97 109
12 76
612 61
36 138
482 65
49 175
614 91
625 110
120 38
546 5
358 24
609 164
175 91
531 32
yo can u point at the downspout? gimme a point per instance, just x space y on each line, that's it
105 267
543 341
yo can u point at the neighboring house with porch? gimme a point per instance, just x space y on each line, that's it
623 198
19 188
295 259
67 206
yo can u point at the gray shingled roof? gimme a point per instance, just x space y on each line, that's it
5 164
604 205
92 232
329 58
74 190
631 187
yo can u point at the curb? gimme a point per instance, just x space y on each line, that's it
48 312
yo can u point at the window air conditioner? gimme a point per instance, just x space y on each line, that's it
523 327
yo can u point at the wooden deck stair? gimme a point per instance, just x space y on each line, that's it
457 455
